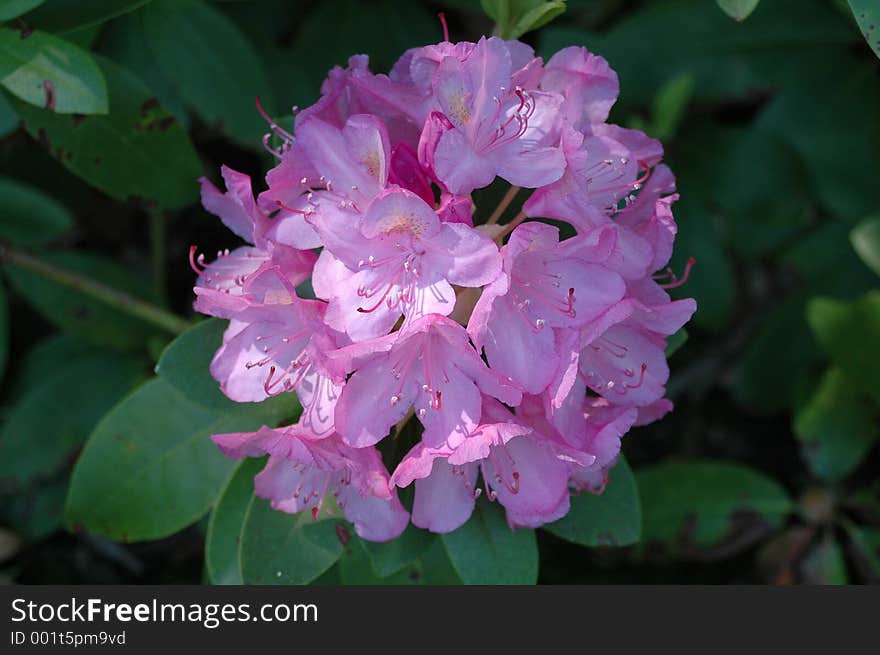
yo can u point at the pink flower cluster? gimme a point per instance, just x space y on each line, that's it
524 363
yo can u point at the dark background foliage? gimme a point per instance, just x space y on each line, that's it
767 471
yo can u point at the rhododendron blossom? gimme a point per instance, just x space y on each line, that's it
418 329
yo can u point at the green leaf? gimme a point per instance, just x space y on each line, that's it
8 117
223 541
13 8
150 469
138 151
656 41
4 330
867 15
390 557
37 512
825 564
81 391
44 357
837 427
280 548
670 104
49 72
383 31
676 341
738 9
866 549
124 41
28 216
486 551
516 17
211 65
850 334
78 313
865 238
184 363
696 501
64 16
613 518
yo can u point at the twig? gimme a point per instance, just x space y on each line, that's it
109 296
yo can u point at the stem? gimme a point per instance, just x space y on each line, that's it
519 218
505 202
87 286
157 256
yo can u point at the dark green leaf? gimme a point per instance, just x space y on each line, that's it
669 106
659 40
210 64
8 117
62 16
696 501
78 313
865 238
837 427
676 341
37 512
613 518
825 564
31 444
280 548
850 334
12 8
138 151
125 42
28 216
150 469
487 551
867 549
223 542
4 330
44 357
391 556
738 9
867 15
49 72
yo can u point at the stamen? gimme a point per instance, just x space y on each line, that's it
442 17
674 280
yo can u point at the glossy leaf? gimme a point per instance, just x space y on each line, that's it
223 541
29 216
280 548
514 18
13 8
613 518
867 15
390 557
837 426
696 501
63 16
137 152
150 469
211 64
31 446
865 238
850 334
184 363
78 313
487 551
4 330
738 9
49 72
676 341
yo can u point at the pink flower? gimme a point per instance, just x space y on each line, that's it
546 286
303 469
399 259
487 125
431 367
527 472
368 256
